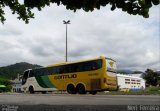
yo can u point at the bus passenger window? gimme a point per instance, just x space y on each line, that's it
61 69
94 66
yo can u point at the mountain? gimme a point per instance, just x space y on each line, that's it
11 71
158 72
124 71
137 72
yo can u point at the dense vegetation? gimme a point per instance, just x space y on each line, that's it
24 12
152 77
11 71
6 83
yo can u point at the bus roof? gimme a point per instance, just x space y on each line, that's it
101 57
110 59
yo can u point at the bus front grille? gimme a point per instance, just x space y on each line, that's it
95 84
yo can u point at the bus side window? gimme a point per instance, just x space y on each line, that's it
57 70
45 71
87 66
67 69
62 69
80 67
94 66
41 72
37 72
99 63
51 70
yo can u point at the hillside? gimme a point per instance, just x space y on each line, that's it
124 71
11 71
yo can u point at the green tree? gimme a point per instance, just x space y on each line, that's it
23 10
151 77
7 83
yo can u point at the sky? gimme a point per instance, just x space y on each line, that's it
133 41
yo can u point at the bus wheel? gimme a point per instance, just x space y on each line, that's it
93 92
71 89
31 90
81 89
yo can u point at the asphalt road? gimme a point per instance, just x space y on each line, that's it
66 99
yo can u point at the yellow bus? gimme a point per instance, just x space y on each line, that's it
98 74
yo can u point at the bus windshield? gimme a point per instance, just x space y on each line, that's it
25 76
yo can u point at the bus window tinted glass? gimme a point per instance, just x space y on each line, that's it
70 68
92 65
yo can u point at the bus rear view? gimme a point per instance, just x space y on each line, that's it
110 77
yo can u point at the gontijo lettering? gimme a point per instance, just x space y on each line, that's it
68 76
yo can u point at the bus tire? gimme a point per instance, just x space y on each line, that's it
71 89
81 89
93 92
31 90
